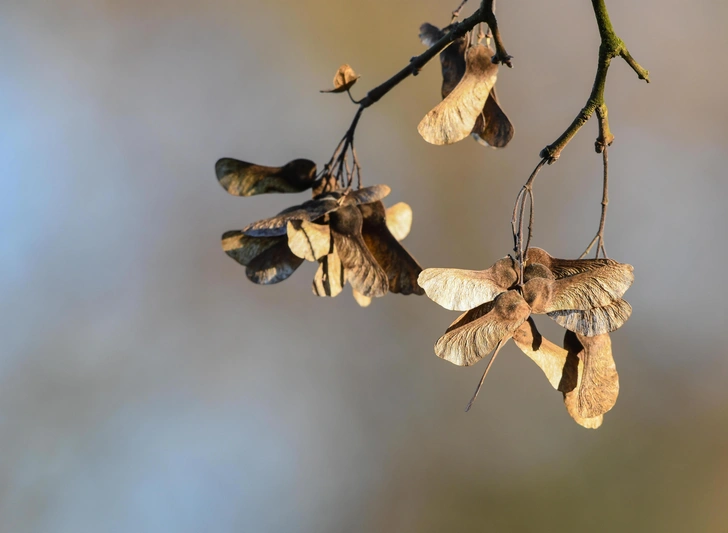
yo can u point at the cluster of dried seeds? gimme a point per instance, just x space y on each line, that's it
348 232
584 296
355 239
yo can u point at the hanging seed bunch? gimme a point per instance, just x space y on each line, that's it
346 229
348 232
583 296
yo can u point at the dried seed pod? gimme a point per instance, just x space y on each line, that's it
344 79
596 321
538 293
243 248
308 211
401 268
453 119
476 333
492 127
246 179
330 276
461 290
308 240
536 270
273 265
362 270
399 220
597 390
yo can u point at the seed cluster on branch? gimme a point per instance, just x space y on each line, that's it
346 229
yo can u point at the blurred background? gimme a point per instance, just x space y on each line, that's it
146 385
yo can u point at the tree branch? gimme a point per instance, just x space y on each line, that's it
611 46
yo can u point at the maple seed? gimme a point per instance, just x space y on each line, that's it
344 79
461 290
596 391
492 126
453 119
247 179
401 268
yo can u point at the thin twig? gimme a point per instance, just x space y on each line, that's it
456 13
599 237
485 373
611 46
517 218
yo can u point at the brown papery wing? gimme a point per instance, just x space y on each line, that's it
549 357
597 388
308 240
453 119
596 321
276 226
273 265
330 276
461 290
243 248
367 195
247 179
362 270
492 127
399 220
401 268
476 333
596 288
362 300
562 268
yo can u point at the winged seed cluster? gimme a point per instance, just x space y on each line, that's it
354 238
348 232
584 296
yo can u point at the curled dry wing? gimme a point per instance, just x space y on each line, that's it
273 265
243 248
277 225
401 268
461 290
362 300
367 195
362 270
596 321
596 389
453 119
246 179
399 220
563 370
476 333
308 240
330 276
549 357
492 127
